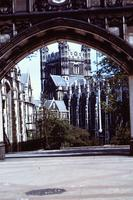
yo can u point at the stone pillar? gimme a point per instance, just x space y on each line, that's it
124 29
30 6
2 146
88 2
107 134
96 117
13 6
69 104
87 105
77 107
131 111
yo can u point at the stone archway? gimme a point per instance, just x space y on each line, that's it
69 29
72 30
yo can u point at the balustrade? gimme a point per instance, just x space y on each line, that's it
10 6
42 5
9 29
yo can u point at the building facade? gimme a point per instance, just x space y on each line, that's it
66 76
57 108
18 109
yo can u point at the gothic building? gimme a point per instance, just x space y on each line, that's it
65 66
18 109
66 76
57 108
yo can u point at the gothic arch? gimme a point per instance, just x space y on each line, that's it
6 83
82 110
69 29
7 110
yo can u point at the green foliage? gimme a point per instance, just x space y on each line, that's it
77 137
56 136
116 78
122 136
112 104
58 133
109 67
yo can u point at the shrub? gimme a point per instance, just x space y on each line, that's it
122 136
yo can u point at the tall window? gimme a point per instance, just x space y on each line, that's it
76 69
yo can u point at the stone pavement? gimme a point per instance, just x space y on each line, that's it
71 178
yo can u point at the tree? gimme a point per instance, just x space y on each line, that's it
58 133
117 108
122 136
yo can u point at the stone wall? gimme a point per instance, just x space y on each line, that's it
2 151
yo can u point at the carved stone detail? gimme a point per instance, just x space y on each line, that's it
5 6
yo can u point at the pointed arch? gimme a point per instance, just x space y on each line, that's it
65 29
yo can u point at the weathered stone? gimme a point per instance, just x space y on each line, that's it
2 151
131 147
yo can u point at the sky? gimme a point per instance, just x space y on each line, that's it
31 65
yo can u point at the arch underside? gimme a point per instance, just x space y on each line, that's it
65 29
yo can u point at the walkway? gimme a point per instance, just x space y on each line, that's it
67 178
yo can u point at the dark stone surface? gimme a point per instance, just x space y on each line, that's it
131 147
48 191
2 151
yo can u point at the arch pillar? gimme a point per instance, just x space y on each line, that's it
2 145
131 111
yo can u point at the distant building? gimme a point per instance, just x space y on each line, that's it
29 105
66 76
64 63
57 108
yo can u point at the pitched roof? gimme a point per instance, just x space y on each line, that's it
58 80
59 103
47 104
61 106
77 78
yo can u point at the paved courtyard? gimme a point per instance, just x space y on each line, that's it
66 178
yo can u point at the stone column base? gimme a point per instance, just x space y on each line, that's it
2 151
131 147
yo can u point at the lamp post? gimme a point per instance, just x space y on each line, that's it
98 100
